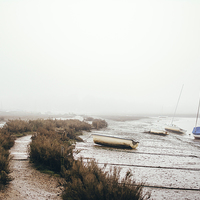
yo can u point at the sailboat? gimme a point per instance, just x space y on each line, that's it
172 127
175 129
196 130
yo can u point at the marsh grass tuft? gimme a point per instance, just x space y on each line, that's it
50 137
4 167
99 123
87 181
6 142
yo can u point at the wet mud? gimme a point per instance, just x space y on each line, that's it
169 166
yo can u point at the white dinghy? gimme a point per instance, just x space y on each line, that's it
158 132
113 141
175 129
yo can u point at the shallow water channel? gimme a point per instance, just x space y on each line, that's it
168 165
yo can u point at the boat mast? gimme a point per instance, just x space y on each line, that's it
177 104
197 116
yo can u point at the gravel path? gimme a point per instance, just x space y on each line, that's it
29 183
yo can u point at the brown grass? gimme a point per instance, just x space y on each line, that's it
89 182
6 142
99 123
52 149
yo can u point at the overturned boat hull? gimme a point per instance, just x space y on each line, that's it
114 141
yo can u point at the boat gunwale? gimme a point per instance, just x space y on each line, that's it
196 133
114 137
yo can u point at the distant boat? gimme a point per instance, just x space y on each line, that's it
113 141
172 127
158 132
196 130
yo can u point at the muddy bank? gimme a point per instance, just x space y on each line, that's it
168 165
29 183
121 118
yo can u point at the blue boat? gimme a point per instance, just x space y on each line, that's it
196 132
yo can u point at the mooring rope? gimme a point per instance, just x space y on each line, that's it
159 154
155 186
87 138
170 188
165 187
157 167
145 166
166 154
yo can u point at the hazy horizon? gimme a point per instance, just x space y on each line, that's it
92 57
26 113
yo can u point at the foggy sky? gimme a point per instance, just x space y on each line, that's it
108 56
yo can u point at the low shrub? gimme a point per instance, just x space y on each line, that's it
6 139
6 142
17 126
4 168
89 182
47 151
89 119
99 123
51 145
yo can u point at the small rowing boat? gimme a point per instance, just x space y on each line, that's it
158 132
114 141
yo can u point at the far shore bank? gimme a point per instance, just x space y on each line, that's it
12 115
